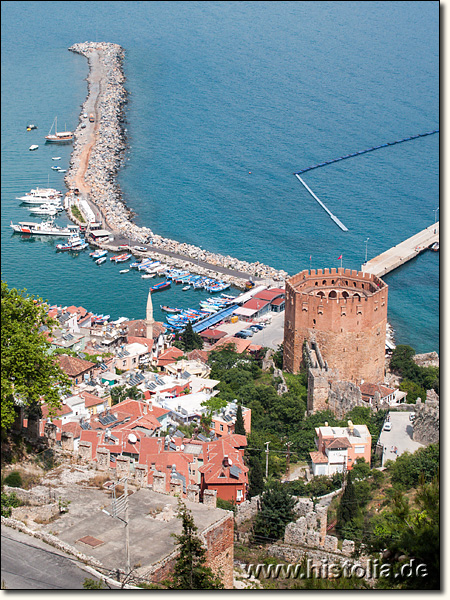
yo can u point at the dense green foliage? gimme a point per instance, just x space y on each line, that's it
416 380
189 572
119 393
348 506
9 501
408 469
277 510
28 371
13 479
188 340
410 532
318 486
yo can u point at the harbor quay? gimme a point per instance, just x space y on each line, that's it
98 153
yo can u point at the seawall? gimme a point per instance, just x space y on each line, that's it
98 153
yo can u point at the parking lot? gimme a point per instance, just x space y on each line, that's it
400 437
271 336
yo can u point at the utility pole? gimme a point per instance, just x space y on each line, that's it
267 459
288 459
119 505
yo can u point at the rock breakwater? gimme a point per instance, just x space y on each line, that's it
98 155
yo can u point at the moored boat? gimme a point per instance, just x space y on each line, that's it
59 137
43 228
45 209
33 147
124 271
169 309
160 286
100 260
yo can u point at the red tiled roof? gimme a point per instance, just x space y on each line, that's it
72 365
255 304
133 339
318 457
169 356
270 294
214 470
59 412
240 344
369 389
199 355
278 301
339 442
72 427
213 334
91 400
138 328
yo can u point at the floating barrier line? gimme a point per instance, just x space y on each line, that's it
333 217
329 162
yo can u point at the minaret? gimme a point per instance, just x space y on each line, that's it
149 320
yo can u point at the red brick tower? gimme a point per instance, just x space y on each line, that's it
345 313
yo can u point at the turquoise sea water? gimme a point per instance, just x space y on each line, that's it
226 101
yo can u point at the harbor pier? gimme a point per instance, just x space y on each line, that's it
401 253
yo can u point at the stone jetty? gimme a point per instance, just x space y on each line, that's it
98 153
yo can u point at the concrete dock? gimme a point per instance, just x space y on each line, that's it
403 252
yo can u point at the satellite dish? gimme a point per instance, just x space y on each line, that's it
132 438
182 447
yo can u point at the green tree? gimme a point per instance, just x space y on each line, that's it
348 506
190 339
239 427
255 477
119 393
277 510
190 572
28 373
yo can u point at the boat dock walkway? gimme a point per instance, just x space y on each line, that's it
403 252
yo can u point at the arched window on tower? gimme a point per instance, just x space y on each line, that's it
332 294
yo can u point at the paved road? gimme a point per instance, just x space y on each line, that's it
30 564
400 436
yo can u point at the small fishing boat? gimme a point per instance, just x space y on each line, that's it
435 247
148 275
98 254
160 286
31 127
117 257
123 258
33 147
169 309
186 287
62 170
100 260
56 158
124 271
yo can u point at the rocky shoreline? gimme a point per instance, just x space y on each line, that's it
107 155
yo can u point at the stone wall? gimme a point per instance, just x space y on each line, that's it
218 540
343 396
426 423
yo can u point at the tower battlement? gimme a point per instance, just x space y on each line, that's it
345 311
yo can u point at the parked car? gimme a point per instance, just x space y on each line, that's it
412 416
387 426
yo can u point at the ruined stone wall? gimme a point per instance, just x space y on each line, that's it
343 396
346 313
218 539
426 423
